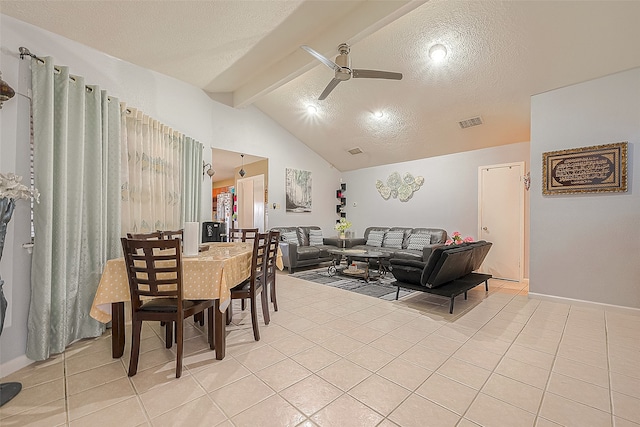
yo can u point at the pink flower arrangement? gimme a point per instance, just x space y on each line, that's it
456 239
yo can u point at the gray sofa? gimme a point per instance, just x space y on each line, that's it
300 252
409 249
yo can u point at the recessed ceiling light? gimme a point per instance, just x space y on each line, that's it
312 109
378 114
437 52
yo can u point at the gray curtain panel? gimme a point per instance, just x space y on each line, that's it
191 180
77 170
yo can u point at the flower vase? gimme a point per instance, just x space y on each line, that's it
342 235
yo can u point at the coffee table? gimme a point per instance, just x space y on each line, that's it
357 255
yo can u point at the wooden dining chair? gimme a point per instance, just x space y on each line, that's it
154 269
154 235
241 234
172 234
254 286
157 235
270 266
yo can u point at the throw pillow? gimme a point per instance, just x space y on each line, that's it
315 238
375 238
393 239
418 241
290 237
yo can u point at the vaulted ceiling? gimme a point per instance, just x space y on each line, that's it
248 52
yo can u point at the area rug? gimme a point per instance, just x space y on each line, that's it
380 288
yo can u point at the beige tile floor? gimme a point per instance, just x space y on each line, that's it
335 358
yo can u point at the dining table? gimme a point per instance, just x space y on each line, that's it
218 267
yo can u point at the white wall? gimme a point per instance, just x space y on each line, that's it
448 199
587 246
250 131
182 106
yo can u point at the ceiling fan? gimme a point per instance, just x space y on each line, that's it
343 70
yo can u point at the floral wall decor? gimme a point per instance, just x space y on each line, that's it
399 187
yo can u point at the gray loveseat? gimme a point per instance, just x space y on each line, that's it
401 242
300 249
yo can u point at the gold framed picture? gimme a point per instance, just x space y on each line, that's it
597 169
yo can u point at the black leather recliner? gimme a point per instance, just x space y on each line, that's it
448 271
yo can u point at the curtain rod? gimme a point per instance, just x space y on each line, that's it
26 52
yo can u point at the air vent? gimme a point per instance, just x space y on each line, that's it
356 150
474 121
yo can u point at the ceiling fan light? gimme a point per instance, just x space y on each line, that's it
378 114
437 52
312 109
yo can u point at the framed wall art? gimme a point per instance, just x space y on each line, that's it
298 190
597 169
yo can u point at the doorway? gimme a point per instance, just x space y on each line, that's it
225 184
501 219
251 202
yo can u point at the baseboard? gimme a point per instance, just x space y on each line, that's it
525 282
14 365
584 303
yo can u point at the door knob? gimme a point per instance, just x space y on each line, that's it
484 228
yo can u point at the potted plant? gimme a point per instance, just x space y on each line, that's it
342 226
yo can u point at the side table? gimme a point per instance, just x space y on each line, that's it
342 243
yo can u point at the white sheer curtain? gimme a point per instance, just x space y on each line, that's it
77 222
157 174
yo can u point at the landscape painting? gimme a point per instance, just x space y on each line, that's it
298 190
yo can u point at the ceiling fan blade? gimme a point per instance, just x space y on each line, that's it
327 90
326 61
375 74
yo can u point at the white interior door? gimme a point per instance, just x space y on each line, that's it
501 219
251 202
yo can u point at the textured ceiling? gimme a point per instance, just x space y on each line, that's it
244 52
